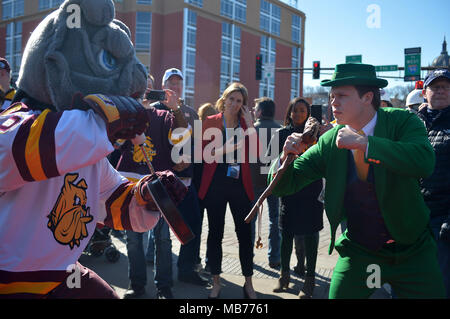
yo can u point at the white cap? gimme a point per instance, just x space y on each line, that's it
415 97
384 96
170 72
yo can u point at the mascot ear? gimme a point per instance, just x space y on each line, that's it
123 26
82 184
69 179
99 12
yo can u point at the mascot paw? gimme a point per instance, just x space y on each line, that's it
124 116
173 185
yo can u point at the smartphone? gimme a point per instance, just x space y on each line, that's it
156 95
316 112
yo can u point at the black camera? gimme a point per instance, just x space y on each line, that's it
316 112
156 95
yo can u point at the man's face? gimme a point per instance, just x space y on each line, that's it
438 94
174 83
348 108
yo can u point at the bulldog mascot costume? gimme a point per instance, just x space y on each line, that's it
77 91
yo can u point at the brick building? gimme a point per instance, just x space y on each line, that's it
213 42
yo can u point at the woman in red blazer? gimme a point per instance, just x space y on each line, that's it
226 180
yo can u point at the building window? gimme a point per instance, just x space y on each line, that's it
234 9
143 31
47 4
144 1
198 3
230 66
268 51
189 54
14 46
12 9
270 18
295 75
296 29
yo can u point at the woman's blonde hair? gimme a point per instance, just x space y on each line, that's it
233 87
205 110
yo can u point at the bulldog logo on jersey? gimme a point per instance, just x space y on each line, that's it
69 216
149 147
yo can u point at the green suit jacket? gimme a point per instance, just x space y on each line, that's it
400 153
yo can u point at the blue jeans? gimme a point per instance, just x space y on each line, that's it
273 203
443 249
190 210
150 255
137 268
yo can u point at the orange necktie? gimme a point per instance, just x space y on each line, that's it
362 168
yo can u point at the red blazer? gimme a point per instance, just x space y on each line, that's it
209 168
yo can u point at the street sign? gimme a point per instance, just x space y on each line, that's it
412 64
386 68
269 70
353 59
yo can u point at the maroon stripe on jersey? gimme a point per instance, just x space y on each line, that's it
18 148
115 195
7 277
47 144
125 217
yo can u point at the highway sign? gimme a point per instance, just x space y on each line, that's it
353 59
386 68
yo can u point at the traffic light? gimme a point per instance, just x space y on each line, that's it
316 70
258 74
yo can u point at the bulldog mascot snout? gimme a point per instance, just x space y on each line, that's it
77 91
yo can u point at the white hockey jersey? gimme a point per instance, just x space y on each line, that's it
55 185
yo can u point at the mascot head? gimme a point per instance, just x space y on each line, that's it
80 48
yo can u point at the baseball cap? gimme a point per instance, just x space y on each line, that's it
440 73
4 65
170 72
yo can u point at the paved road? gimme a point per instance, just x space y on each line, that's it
264 279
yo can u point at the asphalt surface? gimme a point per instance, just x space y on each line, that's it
264 278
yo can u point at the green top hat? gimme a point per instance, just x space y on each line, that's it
354 74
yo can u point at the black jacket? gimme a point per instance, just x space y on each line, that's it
436 188
300 213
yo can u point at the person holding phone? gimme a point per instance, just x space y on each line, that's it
226 179
301 214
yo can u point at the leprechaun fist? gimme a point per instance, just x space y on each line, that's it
124 116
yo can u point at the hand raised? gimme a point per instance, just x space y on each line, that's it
351 140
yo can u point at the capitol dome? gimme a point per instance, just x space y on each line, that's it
442 60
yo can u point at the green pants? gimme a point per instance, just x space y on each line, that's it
412 270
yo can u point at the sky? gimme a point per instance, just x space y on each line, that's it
337 28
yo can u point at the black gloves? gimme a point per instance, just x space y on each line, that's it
173 185
124 116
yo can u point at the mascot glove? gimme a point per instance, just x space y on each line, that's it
124 116
444 234
173 185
